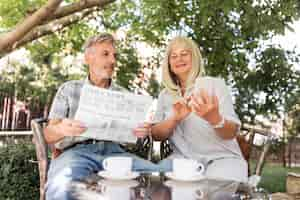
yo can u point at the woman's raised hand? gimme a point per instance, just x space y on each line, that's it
181 109
206 106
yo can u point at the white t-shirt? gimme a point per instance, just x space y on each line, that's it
194 137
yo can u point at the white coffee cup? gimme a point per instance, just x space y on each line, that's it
118 165
186 168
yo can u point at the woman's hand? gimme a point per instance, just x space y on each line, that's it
143 130
181 109
206 107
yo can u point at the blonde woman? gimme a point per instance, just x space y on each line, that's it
200 126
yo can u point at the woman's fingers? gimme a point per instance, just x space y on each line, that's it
206 98
197 100
216 101
207 105
197 103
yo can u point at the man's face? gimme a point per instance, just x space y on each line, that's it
101 59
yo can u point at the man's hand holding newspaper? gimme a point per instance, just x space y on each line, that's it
112 115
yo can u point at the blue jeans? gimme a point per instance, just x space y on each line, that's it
81 161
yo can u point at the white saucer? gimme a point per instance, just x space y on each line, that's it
182 184
119 183
195 177
109 175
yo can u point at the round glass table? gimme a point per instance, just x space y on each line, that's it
158 187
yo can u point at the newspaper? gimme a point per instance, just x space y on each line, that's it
111 115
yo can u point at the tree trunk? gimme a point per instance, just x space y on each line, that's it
290 152
284 155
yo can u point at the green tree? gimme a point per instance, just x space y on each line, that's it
231 36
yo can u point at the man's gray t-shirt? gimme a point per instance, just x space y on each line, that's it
65 105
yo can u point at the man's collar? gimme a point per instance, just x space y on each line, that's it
111 83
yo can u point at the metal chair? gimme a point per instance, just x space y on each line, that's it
245 142
45 152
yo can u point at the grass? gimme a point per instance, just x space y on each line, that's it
274 177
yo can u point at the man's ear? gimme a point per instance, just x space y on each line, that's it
87 57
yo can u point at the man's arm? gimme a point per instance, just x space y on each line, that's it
57 129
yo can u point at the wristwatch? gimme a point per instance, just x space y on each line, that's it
220 124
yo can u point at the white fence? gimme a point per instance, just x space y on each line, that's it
8 137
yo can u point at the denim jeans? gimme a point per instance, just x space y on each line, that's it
81 161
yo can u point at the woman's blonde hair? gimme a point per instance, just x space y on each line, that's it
169 79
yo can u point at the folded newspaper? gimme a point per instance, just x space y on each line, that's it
111 115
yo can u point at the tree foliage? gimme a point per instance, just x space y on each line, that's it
232 36
48 19
19 175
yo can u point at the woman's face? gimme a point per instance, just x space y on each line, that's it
180 60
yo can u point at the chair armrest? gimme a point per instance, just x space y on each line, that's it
142 147
244 146
41 149
145 147
39 139
165 149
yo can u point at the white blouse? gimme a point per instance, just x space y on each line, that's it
194 137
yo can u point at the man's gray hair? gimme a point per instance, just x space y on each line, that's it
103 37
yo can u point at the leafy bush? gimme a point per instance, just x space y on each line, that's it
19 177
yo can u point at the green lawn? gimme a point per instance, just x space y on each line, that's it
274 177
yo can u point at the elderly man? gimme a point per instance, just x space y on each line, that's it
81 156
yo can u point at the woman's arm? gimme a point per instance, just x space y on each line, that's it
214 109
225 129
164 129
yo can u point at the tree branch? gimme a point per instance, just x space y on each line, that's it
47 29
76 7
10 38
47 16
